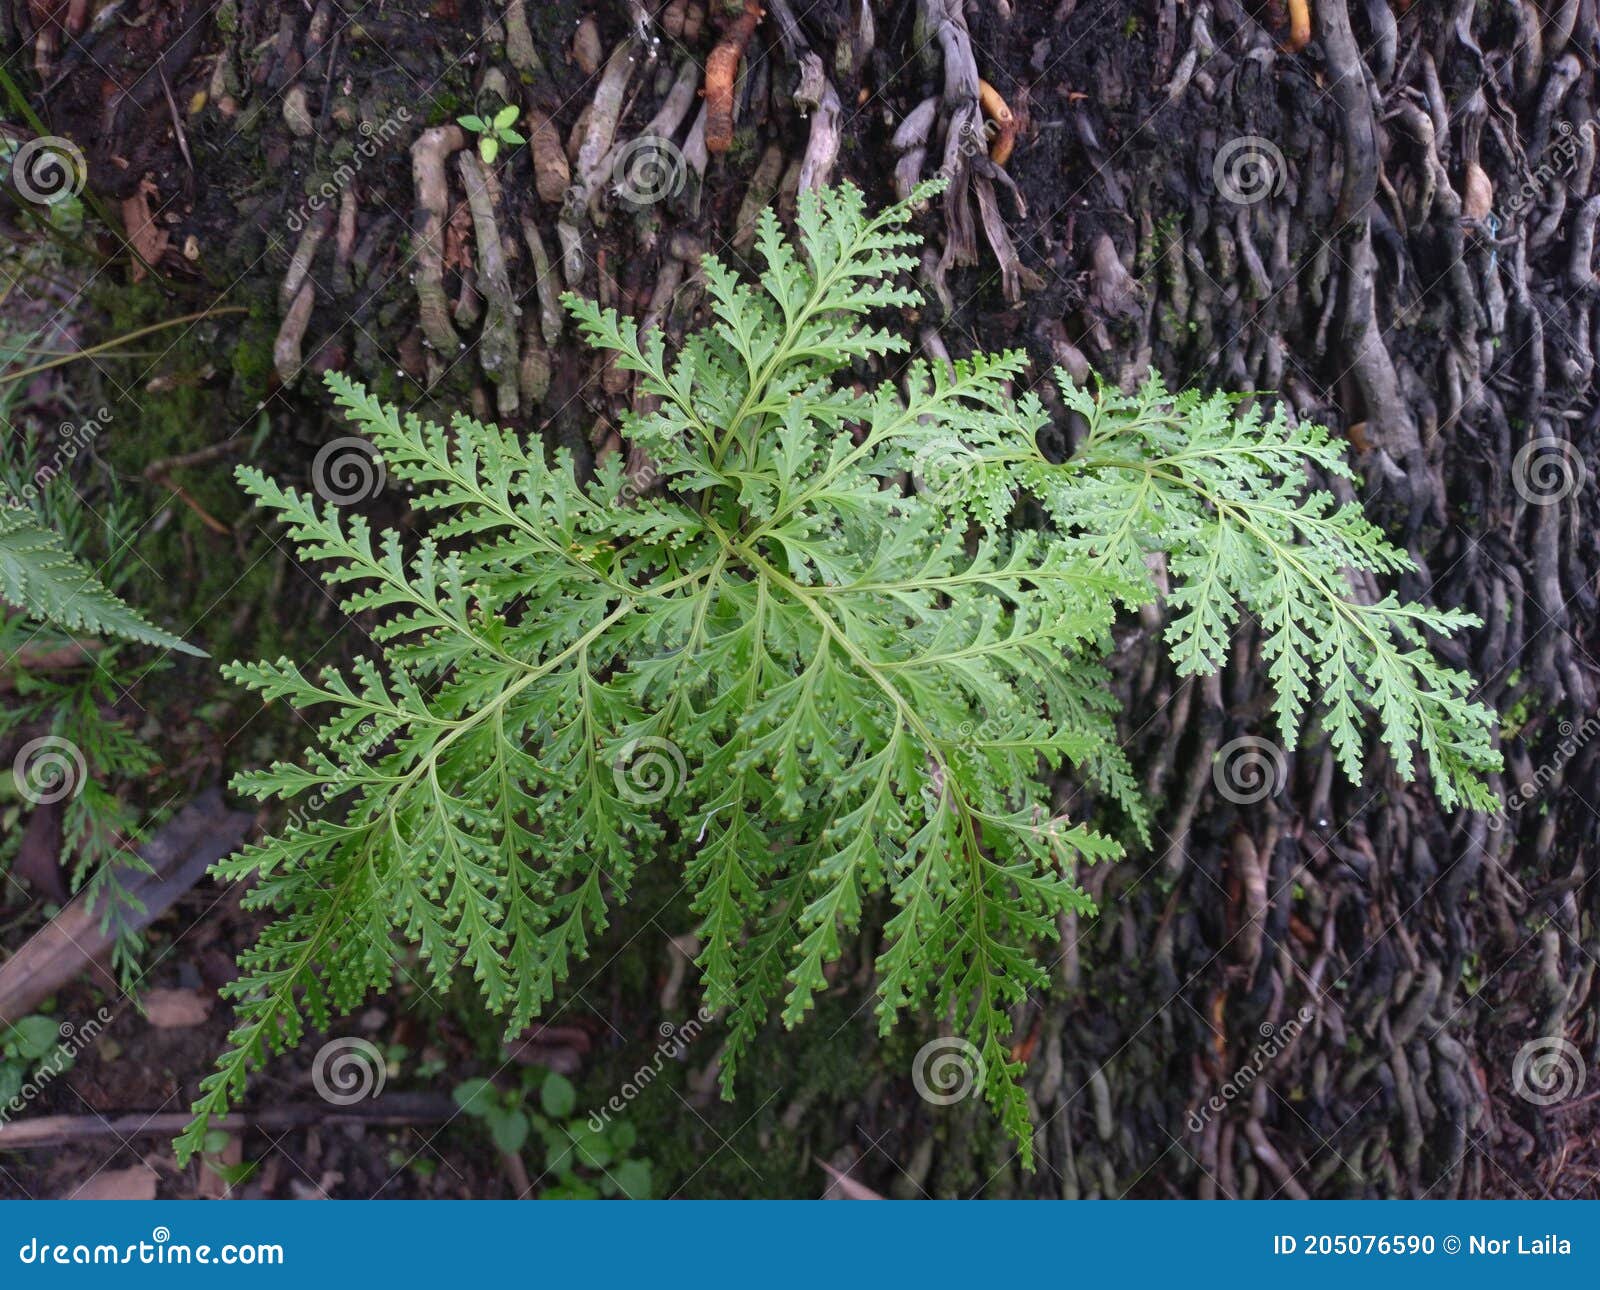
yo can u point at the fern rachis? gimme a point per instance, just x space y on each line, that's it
854 692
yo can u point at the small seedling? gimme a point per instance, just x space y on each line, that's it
493 132
234 1175
580 1161
23 1046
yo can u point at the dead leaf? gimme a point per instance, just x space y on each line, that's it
143 234
458 239
137 1182
177 1009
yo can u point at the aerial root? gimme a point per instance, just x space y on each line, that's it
497 344
428 156
722 69
595 132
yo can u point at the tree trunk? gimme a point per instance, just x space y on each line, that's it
1386 221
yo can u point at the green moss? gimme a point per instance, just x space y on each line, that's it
742 150
186 573
252 358
443 108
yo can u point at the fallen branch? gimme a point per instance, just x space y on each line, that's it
1299 26
910 142
305 252
68 1130
649 167
551 174
78 937
521 52
1005 123
598 127
817 97
546 285
287 347
967 167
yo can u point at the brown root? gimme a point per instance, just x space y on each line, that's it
722 69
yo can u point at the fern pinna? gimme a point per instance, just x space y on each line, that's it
815 668
40 575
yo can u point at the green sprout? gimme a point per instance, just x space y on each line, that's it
493 132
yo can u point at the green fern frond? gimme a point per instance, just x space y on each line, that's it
826 697
40 576
1227 499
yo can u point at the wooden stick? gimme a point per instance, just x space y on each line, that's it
75 939
64 1130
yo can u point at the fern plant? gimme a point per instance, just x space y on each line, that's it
820 691
40 576
90 761
88 755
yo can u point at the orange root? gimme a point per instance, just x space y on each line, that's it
1005 123
1299 25
721 69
